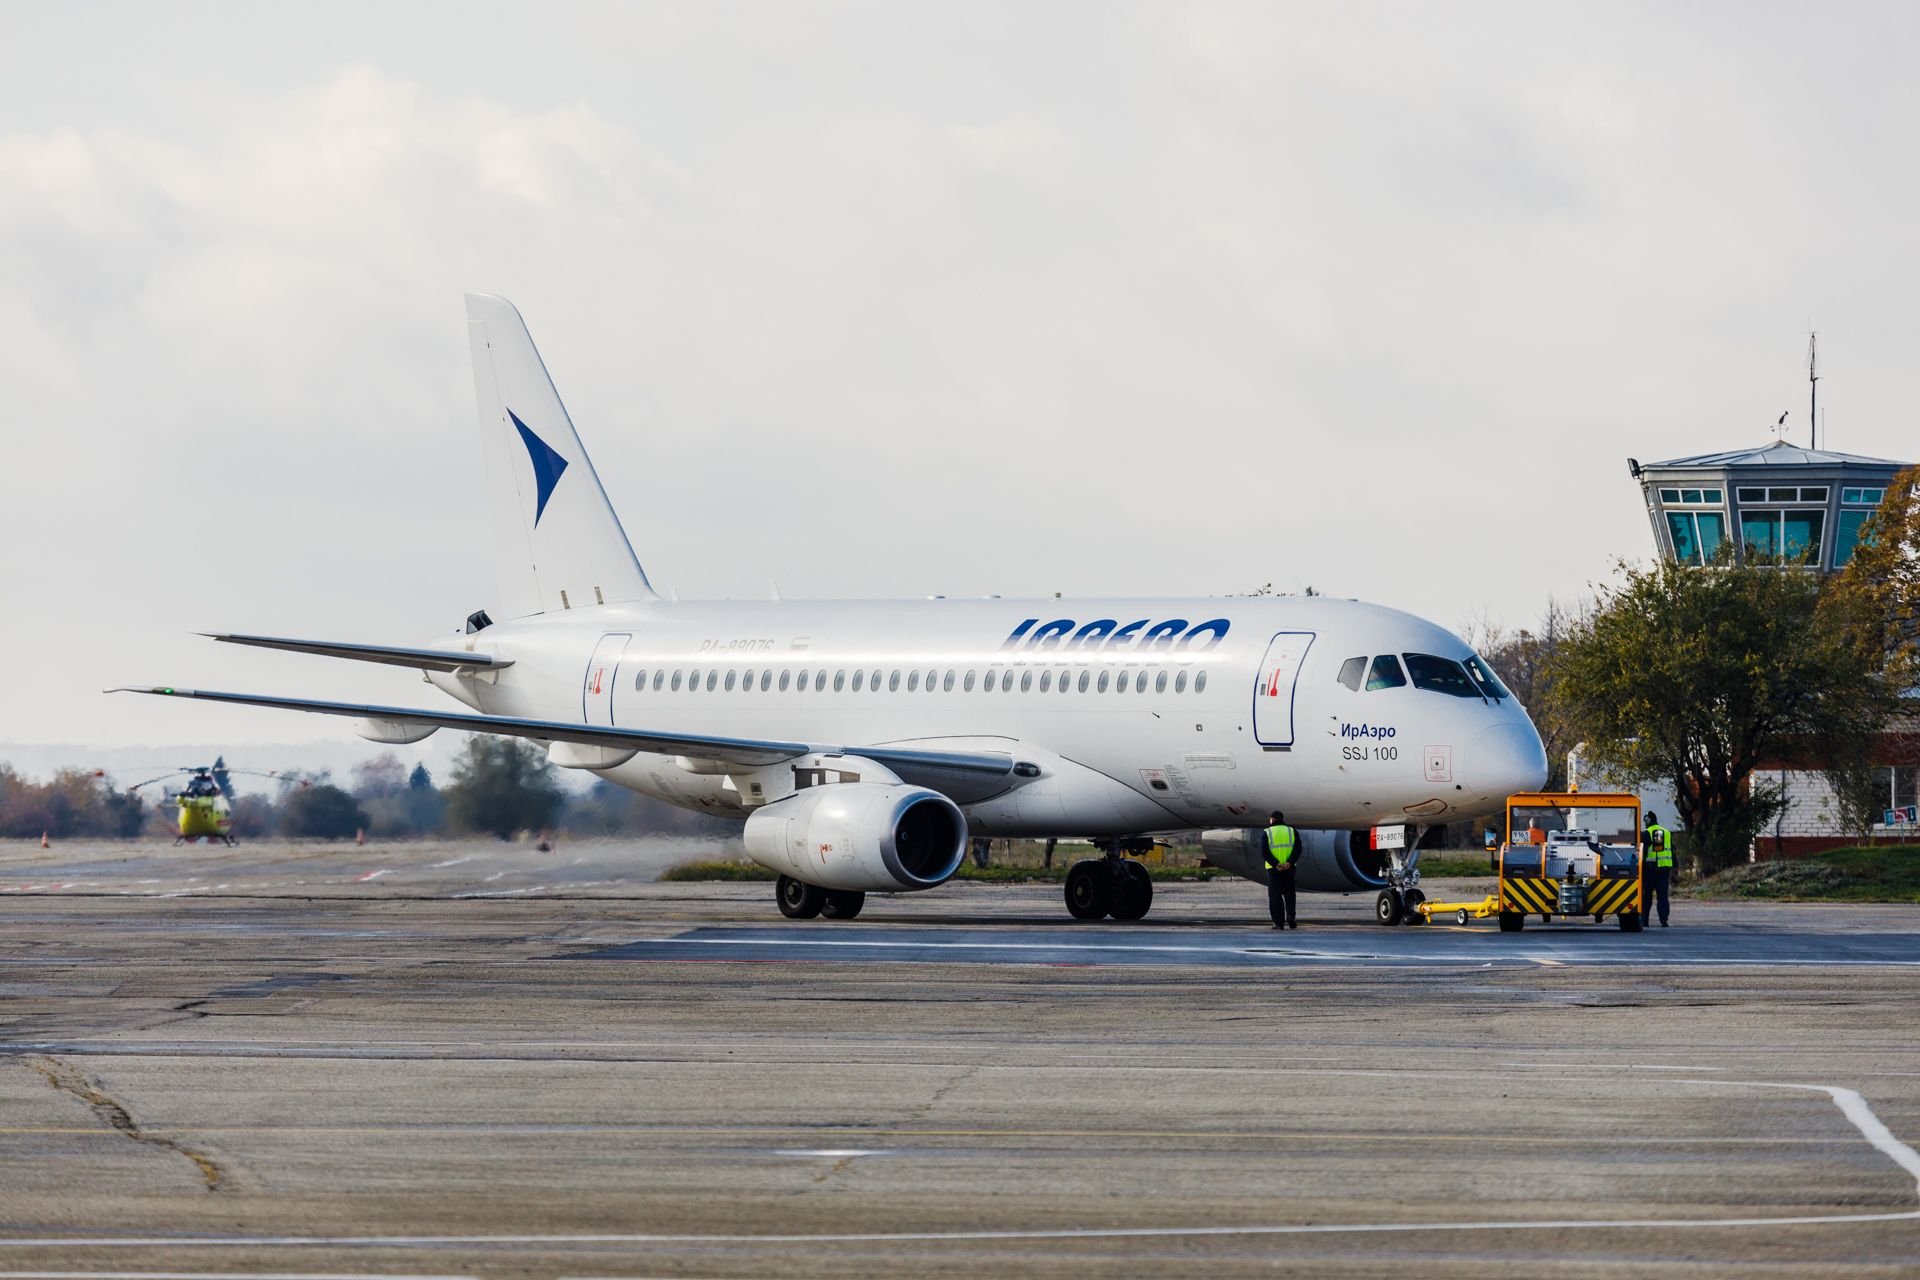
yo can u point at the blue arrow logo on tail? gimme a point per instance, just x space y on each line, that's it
547 466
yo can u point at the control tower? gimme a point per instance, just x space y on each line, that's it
1782 503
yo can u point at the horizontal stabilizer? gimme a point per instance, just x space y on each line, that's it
391 655
742 751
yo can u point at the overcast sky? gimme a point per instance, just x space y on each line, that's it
899 299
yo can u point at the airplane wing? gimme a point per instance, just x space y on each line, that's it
391 655
911 764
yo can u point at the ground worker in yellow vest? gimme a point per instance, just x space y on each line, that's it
1283 850
1656 868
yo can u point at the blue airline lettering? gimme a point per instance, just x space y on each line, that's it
1107 634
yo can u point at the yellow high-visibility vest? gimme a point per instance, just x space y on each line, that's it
1282 844
1660 848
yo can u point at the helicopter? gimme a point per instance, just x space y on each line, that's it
205 804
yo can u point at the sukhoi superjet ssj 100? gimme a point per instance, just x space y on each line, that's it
864 742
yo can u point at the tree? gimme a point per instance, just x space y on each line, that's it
1880 587
1523 660
502 785
323 811
1698 676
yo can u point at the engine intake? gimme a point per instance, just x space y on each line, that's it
860 835
1328 861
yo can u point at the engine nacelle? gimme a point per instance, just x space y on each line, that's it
1328 861
860 835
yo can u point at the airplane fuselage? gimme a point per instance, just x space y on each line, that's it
1142 715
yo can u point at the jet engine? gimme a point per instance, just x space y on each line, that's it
860 835
1328 861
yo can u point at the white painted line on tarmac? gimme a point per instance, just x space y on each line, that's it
1854 1107
1858 1113
831 1153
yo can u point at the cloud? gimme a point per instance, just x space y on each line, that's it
886 302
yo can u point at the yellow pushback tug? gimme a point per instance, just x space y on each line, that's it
1571 854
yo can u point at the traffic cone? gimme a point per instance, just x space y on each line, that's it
43 841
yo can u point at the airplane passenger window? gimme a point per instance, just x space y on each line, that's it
1026 680
1140 683
1200 683
1440 675
820 680
1084 675
839 680
693 680
1065 676
1101 687
873 681
946 686
1180 683
966 686
859 679
730 675
913 681
746 681
658 678
676 682
1350 672
713 678
930 678
640 682
766 680
783 680
893 683
1160 683
1386 673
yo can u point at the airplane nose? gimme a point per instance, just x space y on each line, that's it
1506 759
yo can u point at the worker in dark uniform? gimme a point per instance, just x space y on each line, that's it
1656 868
1283 848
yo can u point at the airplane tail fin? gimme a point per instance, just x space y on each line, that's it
558 543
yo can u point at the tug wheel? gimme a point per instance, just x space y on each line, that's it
1461 916
1512 921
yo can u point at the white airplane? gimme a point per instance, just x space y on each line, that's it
864 742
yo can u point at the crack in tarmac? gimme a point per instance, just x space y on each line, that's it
67 1079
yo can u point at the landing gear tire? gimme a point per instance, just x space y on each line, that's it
1512 922
1411 901
1387 909
843 904
1089 890
1630 922
1133 892
799 900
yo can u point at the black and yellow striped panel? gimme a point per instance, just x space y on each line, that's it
1612 897
1535 897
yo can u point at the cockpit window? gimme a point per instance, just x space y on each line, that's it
1484 677
1350 672
1386 673
1440 675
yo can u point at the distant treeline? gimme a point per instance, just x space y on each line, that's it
499 787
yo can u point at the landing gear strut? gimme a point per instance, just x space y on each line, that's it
1113 885
1397 902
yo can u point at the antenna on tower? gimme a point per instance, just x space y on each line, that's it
1813 389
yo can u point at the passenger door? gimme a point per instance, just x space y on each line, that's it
1273 695
596 691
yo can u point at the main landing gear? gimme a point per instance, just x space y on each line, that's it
1113 885
801 901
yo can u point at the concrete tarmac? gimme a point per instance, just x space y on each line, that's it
319 1073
